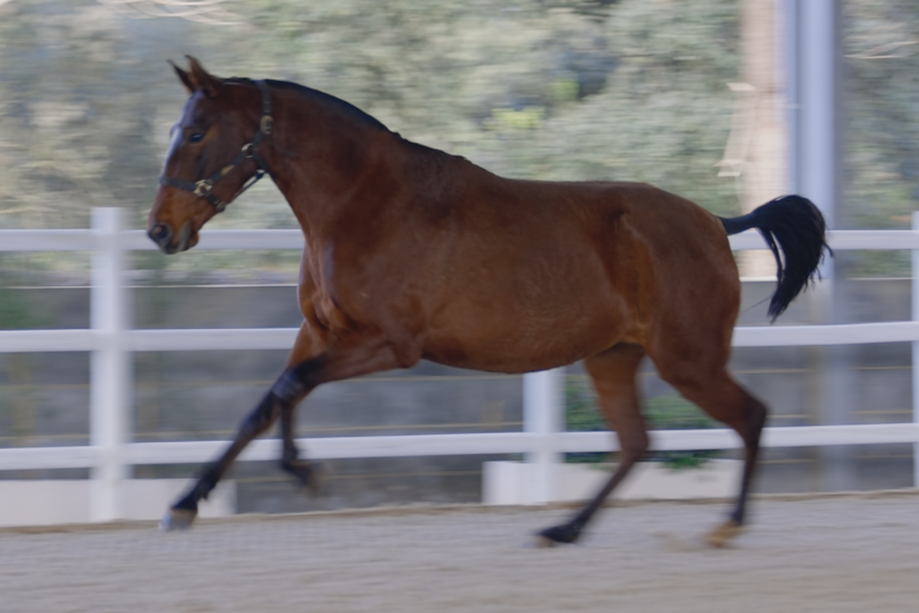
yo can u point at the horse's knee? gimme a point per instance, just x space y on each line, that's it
289 387
295 382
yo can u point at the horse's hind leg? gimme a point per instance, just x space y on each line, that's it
613 373
722 398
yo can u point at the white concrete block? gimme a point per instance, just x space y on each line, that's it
43 503
507 483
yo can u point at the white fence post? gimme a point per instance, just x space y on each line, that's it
915 317
110 365
543 403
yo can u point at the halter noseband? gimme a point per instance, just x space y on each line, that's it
204 187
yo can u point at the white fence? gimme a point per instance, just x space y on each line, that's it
110 451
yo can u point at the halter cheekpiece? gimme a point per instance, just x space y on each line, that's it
204 187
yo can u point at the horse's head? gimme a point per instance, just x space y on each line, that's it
212 155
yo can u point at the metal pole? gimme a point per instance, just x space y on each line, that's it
786 33
915 317
817 86
543 402
815 109
812 78
109 367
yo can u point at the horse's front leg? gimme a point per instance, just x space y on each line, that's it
183 513
345 358
280 401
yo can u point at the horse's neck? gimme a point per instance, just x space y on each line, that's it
313 164
349 170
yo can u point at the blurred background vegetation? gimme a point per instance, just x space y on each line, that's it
547 89
564 89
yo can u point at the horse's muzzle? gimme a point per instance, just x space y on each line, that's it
162 234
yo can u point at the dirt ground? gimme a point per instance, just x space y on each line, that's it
840 553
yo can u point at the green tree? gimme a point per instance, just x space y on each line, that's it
563 89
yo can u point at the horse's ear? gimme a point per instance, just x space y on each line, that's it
204 82
184 77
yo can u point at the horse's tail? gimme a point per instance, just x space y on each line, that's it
795 231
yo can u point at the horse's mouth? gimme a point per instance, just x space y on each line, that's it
184 236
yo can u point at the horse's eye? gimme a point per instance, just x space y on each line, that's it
197 137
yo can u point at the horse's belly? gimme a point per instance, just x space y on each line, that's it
523 341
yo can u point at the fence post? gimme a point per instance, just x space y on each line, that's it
543 402
915 317
110 364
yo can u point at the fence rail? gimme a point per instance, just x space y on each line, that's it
110 342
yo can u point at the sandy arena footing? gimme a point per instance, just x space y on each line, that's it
827 553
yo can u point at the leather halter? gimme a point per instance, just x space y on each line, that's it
204 187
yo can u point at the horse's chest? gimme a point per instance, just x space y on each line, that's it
329 315
317 304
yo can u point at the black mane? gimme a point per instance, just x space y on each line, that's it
349 108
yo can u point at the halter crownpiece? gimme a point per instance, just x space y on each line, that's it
203 188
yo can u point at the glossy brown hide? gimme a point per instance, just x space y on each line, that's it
412 253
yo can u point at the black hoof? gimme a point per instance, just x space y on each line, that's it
566 534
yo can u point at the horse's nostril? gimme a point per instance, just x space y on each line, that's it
160 234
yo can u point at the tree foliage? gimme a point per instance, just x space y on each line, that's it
881 54
563 89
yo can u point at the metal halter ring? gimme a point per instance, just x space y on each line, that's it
202 187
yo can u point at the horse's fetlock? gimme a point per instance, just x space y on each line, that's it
291 465
289 456
189 503
204 489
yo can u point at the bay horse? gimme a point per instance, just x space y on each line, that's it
411 253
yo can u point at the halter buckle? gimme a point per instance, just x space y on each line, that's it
203 188
266 124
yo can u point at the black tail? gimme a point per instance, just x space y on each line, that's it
795 231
